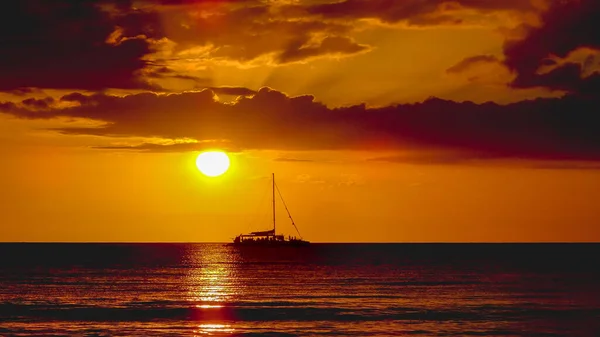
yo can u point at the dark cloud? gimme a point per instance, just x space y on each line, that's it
25 91
566 26
543 129
413 12
468 62
566 77
233 91
9 107
162 72
331 45
63 44
77 97
33 103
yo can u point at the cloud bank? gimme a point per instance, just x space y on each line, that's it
552 129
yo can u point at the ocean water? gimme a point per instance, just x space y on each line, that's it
321 290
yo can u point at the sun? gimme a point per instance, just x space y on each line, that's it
212 163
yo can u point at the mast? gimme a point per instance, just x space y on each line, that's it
273 176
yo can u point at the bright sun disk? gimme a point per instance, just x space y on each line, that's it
212 163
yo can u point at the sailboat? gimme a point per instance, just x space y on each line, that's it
270 237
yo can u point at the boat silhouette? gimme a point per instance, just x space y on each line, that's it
270 237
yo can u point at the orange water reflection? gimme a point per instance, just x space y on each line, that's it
209 306
212 282
209 329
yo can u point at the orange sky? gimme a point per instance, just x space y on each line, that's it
99 128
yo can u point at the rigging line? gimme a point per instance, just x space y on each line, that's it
288 211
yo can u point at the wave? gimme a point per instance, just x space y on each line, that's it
272 311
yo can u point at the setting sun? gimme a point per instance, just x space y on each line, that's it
212 163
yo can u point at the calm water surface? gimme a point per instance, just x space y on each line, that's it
321 290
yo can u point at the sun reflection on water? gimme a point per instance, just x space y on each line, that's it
212 282
209 306
206 329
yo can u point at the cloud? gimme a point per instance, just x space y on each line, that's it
172 147
484 71
416 12
542 129
94 45
469 62
587 58
438 157
25 91
35 104
258 34
293 160
330 45
565 27
566 166
235 31
10 107
62 44
281 32
233 91
475 159
163 72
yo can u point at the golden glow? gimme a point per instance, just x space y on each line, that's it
212 283
209 306
331 199
209 329
212 163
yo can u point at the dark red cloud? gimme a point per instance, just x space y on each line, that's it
233 91
25 91
552 129
62 44
468 62
33 103
414 12
329 45
163 72
566 26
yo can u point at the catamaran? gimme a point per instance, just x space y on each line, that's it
270 237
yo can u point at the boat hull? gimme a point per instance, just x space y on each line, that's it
295 243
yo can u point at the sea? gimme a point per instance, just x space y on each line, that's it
320 290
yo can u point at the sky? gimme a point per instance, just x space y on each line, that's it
383 121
